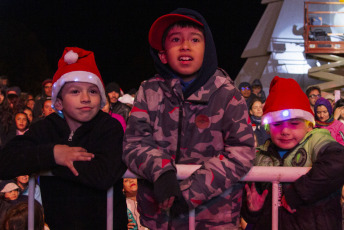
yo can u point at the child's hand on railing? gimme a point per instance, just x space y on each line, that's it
286 206
255 201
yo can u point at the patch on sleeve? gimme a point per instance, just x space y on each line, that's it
300 158
202 121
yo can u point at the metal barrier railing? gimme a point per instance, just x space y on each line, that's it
275 175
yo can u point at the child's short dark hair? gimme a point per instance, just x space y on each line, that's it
182 24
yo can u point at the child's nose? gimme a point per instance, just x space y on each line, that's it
185 45
85 97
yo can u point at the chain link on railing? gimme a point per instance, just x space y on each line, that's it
275 175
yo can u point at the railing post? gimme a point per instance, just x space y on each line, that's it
192 219
109 209
31 203
275 205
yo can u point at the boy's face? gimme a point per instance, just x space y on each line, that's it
287 134
256 89
184 51
13 195
80 103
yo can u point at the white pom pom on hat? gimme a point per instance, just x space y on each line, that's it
71 57
77 65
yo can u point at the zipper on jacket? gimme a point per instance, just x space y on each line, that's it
70 138
180 123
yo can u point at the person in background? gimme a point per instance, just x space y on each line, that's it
4 82
106 109
257 89
30 103
312 201
246 92
9 196
130 192
7 126
40 99
330 98
16 217
29 114
313 93
23 183
22 122
324 119
339 110
113 92
256 113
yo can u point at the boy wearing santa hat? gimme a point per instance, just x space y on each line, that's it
81 145
313 200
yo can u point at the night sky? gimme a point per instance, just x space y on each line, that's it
33 34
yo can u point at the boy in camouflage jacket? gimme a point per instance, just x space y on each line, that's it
189 113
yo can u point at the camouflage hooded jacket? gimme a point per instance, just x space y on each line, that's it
213 132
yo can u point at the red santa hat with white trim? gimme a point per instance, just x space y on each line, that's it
286 101
77 65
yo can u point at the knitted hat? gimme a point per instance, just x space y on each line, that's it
158 28
46 81
77 65
324 102
112 86
286 101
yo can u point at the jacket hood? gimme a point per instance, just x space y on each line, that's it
209 65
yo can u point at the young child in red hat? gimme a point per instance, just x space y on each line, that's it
81 145
313 200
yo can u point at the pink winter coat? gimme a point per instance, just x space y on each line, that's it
337 131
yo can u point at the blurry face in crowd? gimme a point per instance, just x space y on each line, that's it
2 97
106 107
256 89
130 186
245 92
48 89
30 97
257 109
287 134
313 96
47 109
322 113
13 195
21 121
30 103
29 114
113 96
23 179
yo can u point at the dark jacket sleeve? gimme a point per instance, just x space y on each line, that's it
106 168
324 178
25 155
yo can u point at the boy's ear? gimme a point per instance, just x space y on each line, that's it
250 111
58 104
162 56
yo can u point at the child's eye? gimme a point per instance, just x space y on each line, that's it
276 124
74 91
195 40
175 39
94 91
